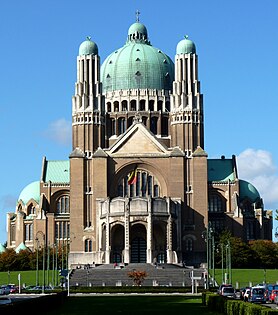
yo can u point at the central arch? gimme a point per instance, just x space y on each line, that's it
138 244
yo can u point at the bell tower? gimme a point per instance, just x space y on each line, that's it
187 130
87 103
87 136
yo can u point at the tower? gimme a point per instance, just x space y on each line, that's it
87 136
187 130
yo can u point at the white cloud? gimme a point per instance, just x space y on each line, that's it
258 167
59 131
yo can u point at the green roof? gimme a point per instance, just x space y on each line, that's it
220 170
248 191
31 191
20 247
186 46
137 65
88 47
2 248
57 172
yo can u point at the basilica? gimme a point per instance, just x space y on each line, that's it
138 185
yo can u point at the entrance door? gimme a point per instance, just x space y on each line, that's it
138 250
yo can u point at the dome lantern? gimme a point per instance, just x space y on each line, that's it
186 46
88 47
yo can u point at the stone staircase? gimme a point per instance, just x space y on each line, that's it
110 275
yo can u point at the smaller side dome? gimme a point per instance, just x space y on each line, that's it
137 31
247 190
186 46
88 47
31 191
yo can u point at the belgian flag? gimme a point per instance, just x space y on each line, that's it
132 177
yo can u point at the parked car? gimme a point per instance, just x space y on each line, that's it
273 295
246 294
222 286
242 292
269 289
229 292
257 295
5 290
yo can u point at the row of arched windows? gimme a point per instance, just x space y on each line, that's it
144 185
118 126
136 106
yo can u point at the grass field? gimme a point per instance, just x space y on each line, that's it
244 276
133 305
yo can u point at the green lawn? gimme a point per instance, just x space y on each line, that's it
27 277
244 276
134 305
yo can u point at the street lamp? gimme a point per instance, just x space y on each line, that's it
43 262
208 235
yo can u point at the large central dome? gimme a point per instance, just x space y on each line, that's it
137 65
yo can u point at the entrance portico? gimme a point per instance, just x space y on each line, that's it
138 230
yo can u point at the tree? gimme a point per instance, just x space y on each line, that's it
241 253
137 276
265 253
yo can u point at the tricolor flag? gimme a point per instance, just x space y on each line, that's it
132 177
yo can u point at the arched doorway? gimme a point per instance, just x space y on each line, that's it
159 241
117 243
138 244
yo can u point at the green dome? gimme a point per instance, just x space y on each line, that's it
31 191
137 65
247 190
88 47
136 29
186 46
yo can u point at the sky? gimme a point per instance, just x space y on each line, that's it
237 46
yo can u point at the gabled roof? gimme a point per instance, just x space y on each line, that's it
138 141
56 171
2 248
221 170
20 247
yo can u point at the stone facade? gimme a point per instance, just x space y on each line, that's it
88 202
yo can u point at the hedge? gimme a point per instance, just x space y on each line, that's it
216 302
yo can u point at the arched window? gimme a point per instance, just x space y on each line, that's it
121 125
28 231
88 245
142 105
108 107
31 209
144 185
116 106
63 205
124 105
151 105
133 105
130 121
164 127
159 105
154 125
216 204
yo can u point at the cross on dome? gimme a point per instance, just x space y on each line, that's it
137 15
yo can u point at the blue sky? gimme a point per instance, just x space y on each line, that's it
238 68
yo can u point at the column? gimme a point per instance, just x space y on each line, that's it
149 232
169 235
108 247
127 239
